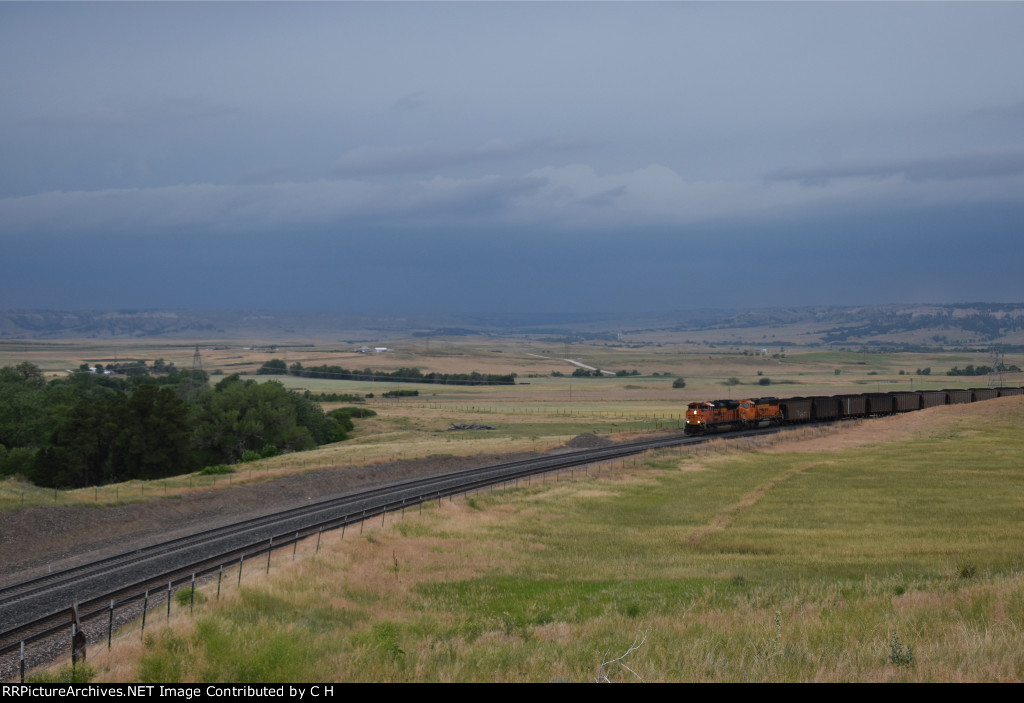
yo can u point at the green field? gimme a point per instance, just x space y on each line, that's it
896 559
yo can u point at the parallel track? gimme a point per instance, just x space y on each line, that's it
39 607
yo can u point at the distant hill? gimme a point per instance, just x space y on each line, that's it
954 325
186 324
897 325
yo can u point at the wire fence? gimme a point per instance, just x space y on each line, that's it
82 632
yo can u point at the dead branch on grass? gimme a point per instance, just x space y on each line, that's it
602 671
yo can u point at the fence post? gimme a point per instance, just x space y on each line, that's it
77 635
145 607
110 625
192 597
21 664
168 601
220 575
295 546
269 552
319 532
241 560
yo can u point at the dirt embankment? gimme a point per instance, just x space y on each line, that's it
35 540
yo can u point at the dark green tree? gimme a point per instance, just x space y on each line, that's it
151 437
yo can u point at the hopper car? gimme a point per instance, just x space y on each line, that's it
721 415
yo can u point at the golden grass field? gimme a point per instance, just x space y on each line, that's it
822 555
884 550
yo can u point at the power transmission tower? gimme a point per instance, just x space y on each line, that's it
197 365
995 376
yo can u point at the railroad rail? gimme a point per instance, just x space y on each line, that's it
39 608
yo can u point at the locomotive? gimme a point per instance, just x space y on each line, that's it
722 415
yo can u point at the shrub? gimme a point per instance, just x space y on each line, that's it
900 655
765 381
678 383
185 598
399 394
80 673
217 469
273 367
357 412
250 455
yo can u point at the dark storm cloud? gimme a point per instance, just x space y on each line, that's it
368 160
990 163
410 102
594 154
263 174
456 205
1011 112
153 212
165 111
605 198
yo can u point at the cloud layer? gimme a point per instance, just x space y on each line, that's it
535 127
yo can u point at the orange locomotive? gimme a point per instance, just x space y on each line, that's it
717 415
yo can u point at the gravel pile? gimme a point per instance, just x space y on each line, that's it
588 440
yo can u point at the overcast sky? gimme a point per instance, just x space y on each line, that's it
463 157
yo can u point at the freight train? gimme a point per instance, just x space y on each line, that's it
721 415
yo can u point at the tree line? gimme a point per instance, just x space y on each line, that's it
90 429
406 374
982 370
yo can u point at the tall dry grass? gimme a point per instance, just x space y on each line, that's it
900 559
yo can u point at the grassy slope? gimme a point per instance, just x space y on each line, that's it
890 550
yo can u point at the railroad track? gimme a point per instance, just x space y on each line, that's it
38 608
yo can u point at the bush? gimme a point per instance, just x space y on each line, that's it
185 597
765 381
250 455
679 383
81 673
900 655
273 367
400 394
217 469
357 412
